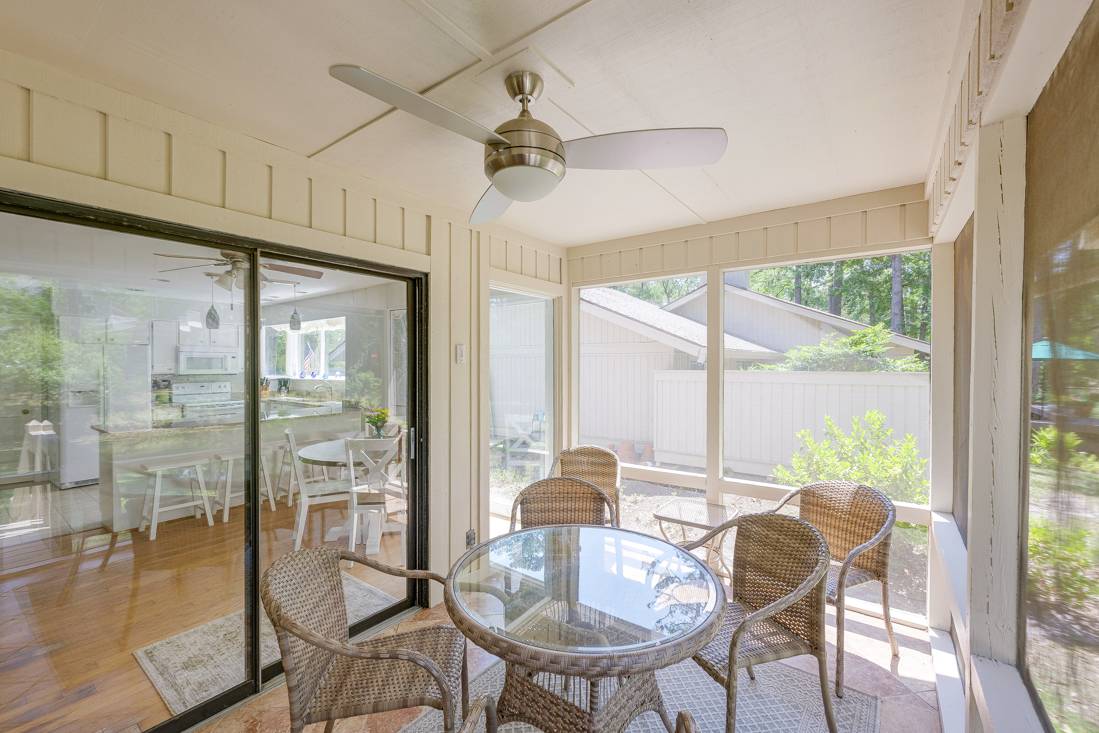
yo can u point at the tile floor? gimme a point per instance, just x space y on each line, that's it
906 686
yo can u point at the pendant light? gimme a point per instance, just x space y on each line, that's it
295 317
213 320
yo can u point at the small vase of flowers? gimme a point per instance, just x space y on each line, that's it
376 418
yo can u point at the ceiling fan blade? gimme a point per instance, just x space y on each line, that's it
415 104
190 257
185 267
672 147
292 270
492 204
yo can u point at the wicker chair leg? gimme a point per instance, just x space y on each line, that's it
822 670
665 718
730 698
329 726
888 618
840 616
751 672
465 682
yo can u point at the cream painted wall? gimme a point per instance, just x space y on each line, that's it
72 139
860 225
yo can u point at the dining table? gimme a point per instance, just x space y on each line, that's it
582 617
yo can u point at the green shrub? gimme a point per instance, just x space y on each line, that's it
862 351
868 454
1061 565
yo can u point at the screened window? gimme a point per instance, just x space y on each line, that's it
643 371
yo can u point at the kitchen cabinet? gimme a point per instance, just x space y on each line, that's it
228 336
192 334
124 330
225 338
165 346
82 329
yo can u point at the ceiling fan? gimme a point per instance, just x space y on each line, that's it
525 158
236 274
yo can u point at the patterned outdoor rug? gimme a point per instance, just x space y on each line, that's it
781 699
197 664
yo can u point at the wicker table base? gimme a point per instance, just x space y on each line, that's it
557 704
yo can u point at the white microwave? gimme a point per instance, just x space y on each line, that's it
208 362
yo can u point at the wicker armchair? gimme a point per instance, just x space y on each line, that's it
328 677
776 605
562 501
857 522
595 465
483 705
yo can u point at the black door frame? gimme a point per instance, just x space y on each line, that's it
17 202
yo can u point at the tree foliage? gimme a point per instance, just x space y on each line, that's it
865 292
862 351
663 291
867 454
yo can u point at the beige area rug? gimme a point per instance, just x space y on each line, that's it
781 699
197 664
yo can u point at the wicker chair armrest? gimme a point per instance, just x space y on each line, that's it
781 604
715 532
785 501
881 534
381 567
355 652
484 705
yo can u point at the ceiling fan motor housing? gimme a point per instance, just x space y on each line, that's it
533 162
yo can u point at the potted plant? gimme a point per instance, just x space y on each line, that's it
376 418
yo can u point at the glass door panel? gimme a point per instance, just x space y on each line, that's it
122 547
333 367
521 398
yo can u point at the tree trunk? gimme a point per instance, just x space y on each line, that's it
896 303
797 285
835 294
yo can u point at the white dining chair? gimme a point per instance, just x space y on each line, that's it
367 499
311 491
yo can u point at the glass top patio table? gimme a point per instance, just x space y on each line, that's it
584 600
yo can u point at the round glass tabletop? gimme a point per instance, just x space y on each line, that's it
582 589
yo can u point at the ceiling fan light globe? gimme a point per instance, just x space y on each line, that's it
525 182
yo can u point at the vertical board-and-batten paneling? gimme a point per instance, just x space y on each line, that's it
878 222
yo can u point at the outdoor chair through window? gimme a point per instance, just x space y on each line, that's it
595 465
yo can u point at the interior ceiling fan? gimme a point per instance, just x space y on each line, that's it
237 272
525 158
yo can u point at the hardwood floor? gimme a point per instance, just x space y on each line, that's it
75 605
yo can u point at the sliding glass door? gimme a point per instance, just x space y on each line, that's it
334 366
122 571
174 420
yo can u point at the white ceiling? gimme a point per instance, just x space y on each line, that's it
820 99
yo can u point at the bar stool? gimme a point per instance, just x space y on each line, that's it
150 515
225 490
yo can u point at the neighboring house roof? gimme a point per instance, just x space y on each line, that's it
663 326
848 325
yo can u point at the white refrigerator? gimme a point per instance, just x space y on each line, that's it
104 384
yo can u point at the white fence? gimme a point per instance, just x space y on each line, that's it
764 411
